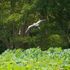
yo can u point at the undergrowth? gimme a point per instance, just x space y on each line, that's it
35 59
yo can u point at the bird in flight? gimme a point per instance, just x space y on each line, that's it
34 25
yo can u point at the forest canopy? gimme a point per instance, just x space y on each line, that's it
17 15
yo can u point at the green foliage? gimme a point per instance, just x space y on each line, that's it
25 42
55 40
2 47
35 59
16 15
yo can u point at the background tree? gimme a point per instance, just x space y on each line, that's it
17 15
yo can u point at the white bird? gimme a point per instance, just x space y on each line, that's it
34 25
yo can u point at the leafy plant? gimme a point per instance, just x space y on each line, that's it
35 59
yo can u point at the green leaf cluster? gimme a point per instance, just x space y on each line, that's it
35 59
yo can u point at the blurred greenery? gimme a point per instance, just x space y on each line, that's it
35 59
17 15
47 48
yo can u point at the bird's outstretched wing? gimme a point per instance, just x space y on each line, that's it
28 29
39 21
34 25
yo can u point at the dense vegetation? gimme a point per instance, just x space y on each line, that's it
35 59
17 15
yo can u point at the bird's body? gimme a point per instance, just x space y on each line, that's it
34 25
